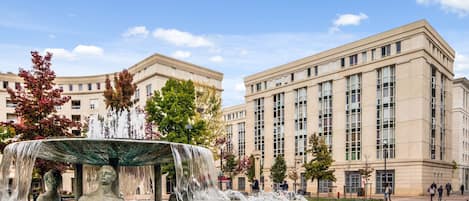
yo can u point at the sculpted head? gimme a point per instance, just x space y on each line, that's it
107 175
52 179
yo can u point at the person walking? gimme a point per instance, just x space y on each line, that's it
448 188
387 192
440 192
431 190
462 189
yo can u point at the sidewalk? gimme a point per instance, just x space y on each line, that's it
452 197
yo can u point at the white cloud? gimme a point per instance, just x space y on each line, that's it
88 50
216 59
51 36
61 53
181 54
347 20
461 65
239 87
79 50
460 7
137 31
180 38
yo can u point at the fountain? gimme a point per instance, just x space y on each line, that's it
107 167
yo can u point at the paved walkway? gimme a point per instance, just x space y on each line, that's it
452 197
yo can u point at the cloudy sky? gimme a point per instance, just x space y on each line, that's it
237 38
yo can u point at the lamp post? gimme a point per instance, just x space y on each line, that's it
188 127
385 149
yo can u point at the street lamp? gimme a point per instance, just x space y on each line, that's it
385 149
188 127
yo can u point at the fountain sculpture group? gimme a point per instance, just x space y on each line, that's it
106 166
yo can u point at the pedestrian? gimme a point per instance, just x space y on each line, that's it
285 186
440 192
255 186
448 188
387 192
462 189
431 190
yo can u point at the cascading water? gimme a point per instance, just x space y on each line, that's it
117 125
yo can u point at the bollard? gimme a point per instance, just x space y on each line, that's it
338 195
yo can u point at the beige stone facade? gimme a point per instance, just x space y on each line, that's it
87 91
460 136
393 88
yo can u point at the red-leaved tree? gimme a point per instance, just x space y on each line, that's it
36 103
119 97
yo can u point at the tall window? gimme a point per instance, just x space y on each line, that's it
385 111
433 115
300 121
364 57
325 186
5 84
442 117
241 139
382 179
279 123
229 138
353 116
373 54
80 87
398 47
148 89
70 87
90 87
386 51
353 60
325 112
352 181
259 126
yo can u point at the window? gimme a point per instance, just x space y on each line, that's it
352 181
259 126
382 179
137 94
385 109
309 72
241 139
80 87
433 114
11 117
316 71
252 88
9 103
325 112
342 62
300 122
90 87
373 54
70 87
93 104
265 84
241 184
76 118
75 104
148 90
364 59
325 186
98 86
17 85
279 122
398 47
258 86
353 60
229 139
5 84
292 77
353 118
76 132
386 51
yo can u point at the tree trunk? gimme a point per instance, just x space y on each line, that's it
317 191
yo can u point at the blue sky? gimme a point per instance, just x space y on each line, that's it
237 38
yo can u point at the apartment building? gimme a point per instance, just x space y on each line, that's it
460 124
387 97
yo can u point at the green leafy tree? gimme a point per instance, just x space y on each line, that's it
318 167
278 172
119 97
6 135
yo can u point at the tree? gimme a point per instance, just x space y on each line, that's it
6 135
251 169
171 109
278 172
366 173
318 167
119 97
230 165
36 103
